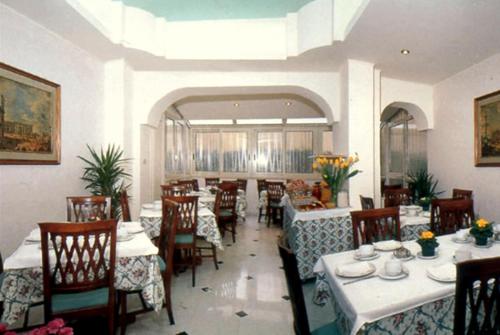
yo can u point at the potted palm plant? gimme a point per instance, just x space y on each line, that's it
423 187
105 174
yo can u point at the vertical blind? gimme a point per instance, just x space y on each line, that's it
270 152
235 151
206 151
299 151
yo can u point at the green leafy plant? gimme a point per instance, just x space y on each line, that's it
423 185
105 174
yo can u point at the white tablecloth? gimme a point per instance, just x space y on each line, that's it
373 299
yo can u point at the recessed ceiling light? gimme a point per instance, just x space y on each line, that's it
405 51
236 104
288 103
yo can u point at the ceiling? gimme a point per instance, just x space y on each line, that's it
194 10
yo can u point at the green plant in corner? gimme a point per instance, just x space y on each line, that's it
423 186
105 174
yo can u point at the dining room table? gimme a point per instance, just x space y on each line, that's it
420 300
137 269
317 232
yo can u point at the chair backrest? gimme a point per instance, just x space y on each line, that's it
84 258
275 191
125 206
374 225
294 284
261 185
366 203
454 215
477 297
88 208
187 208
173 190
397 197
212 181
190 185
461 194
226 199
435 210
168 229
242 184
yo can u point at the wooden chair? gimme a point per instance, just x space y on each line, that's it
88 208
461 194
435 210
126 217
261 186
185 232
275 191
189 185
296 294
242 184
477 297
389 187
374 225
397 197
366 203
80 282
173 190
212 181
1 282
225 209
454 215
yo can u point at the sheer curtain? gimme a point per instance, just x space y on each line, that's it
169 145
270 152
299 151
235 151
206 151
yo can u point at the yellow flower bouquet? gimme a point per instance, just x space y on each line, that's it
482 229
335 171
428 242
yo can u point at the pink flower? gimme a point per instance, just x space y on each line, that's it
39 331
56 323
3 327
10 333
66 331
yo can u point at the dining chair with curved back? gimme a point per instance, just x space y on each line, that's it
242 184
461 194
261 186
397 197
435 209
78 275
173 190
225 208
88 208
212 181
373 225
126 217
454 215
296 294
185 232
190 185
275 191
477 297
366 203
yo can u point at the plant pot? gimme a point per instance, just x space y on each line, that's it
428 251
425 206
481 240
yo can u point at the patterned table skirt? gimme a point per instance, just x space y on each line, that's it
22 287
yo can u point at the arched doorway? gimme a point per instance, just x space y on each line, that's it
403 143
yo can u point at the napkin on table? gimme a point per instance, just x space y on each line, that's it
445 272
354 269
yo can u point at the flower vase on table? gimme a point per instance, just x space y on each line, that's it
428 243
482 229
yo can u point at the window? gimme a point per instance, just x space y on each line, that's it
327 144
299 151
206 152
169 146
235 151
269 152
176 145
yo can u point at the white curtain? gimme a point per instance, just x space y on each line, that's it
299 151
235 151
206 151
270 152
169 145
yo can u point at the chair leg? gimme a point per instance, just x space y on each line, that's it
168 297
123 313
260 215
233 229
214 253
193 264
268 214
26 318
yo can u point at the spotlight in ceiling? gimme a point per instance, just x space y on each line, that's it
288 103
236 104
405 51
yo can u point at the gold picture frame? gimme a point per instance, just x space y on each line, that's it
487 129
30 118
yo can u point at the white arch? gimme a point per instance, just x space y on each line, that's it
418 114
170 98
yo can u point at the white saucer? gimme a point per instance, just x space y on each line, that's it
488 245
440 279
469 239
404 273
358 257
419 255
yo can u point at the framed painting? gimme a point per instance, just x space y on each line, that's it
487 129
30 118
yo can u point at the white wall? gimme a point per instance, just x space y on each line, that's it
451 142
32 194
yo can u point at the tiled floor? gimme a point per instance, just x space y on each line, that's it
247 295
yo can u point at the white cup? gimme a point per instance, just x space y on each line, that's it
496 227
412 212
462 255
393 267
366 250
461 235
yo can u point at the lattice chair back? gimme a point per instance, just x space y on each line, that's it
455 215
187 208
477 297
226 199
212 181
189 185
125 206
168 229
261 185
397 197
275 191
374 225
461 194
88 208
242 184
435 210
366 203
173 190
